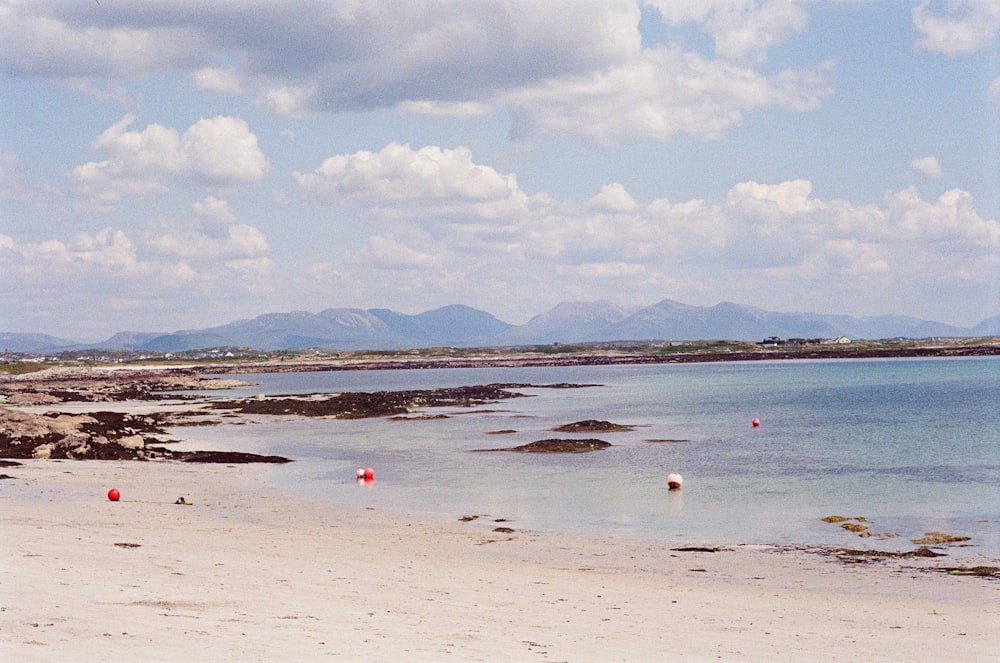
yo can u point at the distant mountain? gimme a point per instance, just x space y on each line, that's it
462 326
891 326
569 322
352 329
450 325
340 329
13 342
988 327
673 320
126 340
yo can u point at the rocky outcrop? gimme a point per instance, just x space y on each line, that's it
98 436
593 426
358 405
557 446
60 385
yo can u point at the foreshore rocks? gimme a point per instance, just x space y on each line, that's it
359 405
98 436
106 435
87 385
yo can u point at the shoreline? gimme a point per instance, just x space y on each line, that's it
247 571
403 362
186 373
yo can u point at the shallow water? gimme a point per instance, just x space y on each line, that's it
913 445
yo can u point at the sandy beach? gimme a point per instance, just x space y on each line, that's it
246 572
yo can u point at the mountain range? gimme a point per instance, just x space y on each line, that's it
462 326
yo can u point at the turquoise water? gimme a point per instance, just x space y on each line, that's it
913 445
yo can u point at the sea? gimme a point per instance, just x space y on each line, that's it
909 445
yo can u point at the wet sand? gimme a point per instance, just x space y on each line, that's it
246 572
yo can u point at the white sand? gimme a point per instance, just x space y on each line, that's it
250 574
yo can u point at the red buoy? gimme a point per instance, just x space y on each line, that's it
755 422
369 474
114 495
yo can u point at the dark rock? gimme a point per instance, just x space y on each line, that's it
557 446
847 553
940 538
981 571
593 426
228 457
359 405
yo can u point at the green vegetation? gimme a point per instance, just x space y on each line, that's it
606 352
23 367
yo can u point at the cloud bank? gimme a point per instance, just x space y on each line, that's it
555 67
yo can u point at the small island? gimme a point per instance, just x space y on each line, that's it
557 446
593 426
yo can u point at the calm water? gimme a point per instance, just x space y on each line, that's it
911 445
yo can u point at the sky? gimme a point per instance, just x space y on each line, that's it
179 164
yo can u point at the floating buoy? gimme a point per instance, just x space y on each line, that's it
674 481
369 474
114 495
361 473
755 422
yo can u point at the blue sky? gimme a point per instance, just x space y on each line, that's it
169 164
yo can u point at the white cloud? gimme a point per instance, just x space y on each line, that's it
385 252
666 91
400 177
445 108
218 151
291 101
995 92
951 221
222 150
65 40
109 248
743 30
966 27
215 209
613 198
200 242
46 281
16 187
217 80
927 166
787 197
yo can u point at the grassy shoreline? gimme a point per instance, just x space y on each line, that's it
242 360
